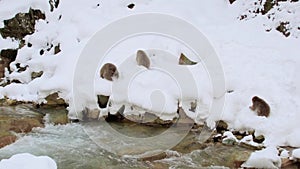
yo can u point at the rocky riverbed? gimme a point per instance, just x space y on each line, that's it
47 131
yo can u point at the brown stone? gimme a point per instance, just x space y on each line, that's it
6 140
21 25
154 157
183 60
25 125
53 100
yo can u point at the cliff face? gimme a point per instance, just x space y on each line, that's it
17 28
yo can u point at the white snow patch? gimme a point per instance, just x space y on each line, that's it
28 161
296 153
266 158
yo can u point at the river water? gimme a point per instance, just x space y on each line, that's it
73 146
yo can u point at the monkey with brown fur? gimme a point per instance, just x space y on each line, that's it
108 71
142 59
260 107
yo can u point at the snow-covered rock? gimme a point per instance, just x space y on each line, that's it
266 158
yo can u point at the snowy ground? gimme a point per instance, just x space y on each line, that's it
255 62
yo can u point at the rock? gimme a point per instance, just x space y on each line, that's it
58 117
35 75
154 157
183 60
259 139
114 117
25 125
53 100
6 57
130 6
19 119
102 101
282 27
90 115
22 24
6 138
57 49
239 134
231 1
149 117
250 147
268 5
53 4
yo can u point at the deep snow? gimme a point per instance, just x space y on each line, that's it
255 62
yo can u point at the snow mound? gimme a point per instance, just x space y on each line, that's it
28 161
266 158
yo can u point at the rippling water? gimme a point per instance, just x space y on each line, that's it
72 148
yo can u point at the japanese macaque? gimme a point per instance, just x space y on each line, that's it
260 107
142 59
108 71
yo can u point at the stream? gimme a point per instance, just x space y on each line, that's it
73 146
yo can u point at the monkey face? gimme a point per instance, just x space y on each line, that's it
109 70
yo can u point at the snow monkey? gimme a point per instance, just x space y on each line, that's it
142 59
108 71
260 107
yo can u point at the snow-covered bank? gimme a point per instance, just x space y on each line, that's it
28 161
255 62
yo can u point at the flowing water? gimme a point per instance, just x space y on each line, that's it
90 146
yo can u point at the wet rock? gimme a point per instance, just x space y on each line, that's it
53 100
57 116
22 24
90 115
250 146
6 138
18 119
190 143
183 60
118 117
220 155
154 157
25 125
